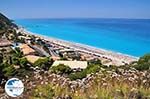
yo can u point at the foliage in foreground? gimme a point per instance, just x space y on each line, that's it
99 89
43 92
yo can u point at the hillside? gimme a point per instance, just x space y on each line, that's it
4 20
5 24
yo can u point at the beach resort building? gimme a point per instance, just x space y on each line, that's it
5 43
29 53
27 50
5 47
70 54
33 58
72 64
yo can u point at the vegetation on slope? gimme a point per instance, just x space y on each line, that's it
123 82
5 22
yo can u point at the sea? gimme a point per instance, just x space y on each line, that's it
127 36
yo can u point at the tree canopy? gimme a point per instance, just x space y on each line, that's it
61 69
143 63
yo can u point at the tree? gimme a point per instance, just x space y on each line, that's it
144 59
95 61
61 69
44 63
18 52
1 72
1 58
23 62
15 60
8 70
141 67
92 68
77 75
143 63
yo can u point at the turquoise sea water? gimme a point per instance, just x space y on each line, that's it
128 36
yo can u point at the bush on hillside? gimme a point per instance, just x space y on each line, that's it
92 69
142 67
23 62
61 69
43 92
77 75
95 62
1 58
18 52
143 63
44 63
8 70
144 59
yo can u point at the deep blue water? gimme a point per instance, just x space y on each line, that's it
128 36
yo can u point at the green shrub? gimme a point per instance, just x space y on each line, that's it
15 60
9 71
1 58
95 62
143 66
61 69
23 62
143 63
144 59
43 92
77 75
21 72
18 53
92 69
43 63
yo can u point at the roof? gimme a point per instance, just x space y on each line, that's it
32 58
25 37
26 49
4 42
55 57
66 50
72 64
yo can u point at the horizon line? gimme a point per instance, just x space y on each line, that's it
80 18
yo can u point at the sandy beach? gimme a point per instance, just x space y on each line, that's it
116 57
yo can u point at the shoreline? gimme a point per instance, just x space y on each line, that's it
116 56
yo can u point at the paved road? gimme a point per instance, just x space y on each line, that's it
40 50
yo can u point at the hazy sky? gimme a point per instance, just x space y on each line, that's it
75 8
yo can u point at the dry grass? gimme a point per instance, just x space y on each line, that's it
102 89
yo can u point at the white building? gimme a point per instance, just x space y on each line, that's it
72 64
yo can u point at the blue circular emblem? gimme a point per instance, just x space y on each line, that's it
14 87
